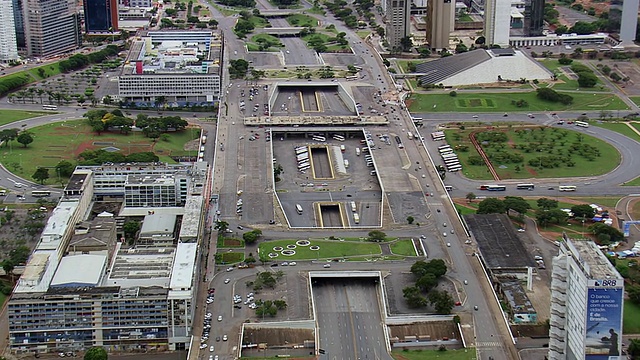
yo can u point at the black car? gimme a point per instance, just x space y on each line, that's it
274 265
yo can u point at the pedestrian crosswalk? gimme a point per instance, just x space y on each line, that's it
488 344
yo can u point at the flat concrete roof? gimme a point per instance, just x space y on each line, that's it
498 241
69 275
184 266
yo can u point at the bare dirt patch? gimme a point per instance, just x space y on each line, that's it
232 242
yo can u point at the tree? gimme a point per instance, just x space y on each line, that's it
250 237
584 211
413 297
65 168
437 267
280 304
410 219
516 204
406 43
491 206
41 175
470 197
441 301
130 229
549 217
377 236
634 348
547 204
221 226
606 234
25 138
427 282
587 79
7 135
96 353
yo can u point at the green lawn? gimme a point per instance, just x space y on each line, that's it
223 9
635 125
232 257
316 10
302 20
532 144
47 70
621 128
464 18
363 33
631 318
635 99
460 354
258 22
9 116
264 42
403 65
329 249
634 182
403 247
502 102
47 149
608 201
463 210
565 82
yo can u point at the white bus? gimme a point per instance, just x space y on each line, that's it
410 135
416 118
448 187
303 164
49 107
449 166
353 206
455 168
299 209
319 138
567 188
582 124
204 139
452 163
343 148
356 218
202 148
338 137
447 146
449 157
301 150
305 168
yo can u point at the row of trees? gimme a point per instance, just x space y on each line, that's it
23 137
101 120
427 275
551 95
78 61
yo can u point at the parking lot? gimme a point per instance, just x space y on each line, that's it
336 173
306 101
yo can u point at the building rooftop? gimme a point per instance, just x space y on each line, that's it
517 297
77 180
498 242
141 267
57 225
184 266
190 226
438 70
159 179
69 275
143 211
174 52
96 234
158 224
592 259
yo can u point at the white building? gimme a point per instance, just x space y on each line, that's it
586 304
497 22
180 67
8 44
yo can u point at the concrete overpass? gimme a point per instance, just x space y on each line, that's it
280 32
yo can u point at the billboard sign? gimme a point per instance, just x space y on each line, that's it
604 322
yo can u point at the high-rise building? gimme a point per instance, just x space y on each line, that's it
497 21
51 27
440 20
19 22
586 304
8 44
100 16
629 21
398 21
533 17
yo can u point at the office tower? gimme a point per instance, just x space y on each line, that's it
533 17
100 16
440 20
586 304
51 27
398 21
497 21
19 23
629 21
8 44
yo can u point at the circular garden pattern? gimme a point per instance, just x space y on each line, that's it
303 242
314 248
291 246
273 255
278 248
288 252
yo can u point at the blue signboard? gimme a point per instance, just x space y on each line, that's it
604 323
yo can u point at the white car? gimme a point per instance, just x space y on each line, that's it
219 317
448 244
203 346
226 281
212 348
326 265
224 337
229 269
293 263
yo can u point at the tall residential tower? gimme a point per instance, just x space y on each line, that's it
8 45
587 296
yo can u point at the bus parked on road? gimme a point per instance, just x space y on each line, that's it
567 188
525 186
